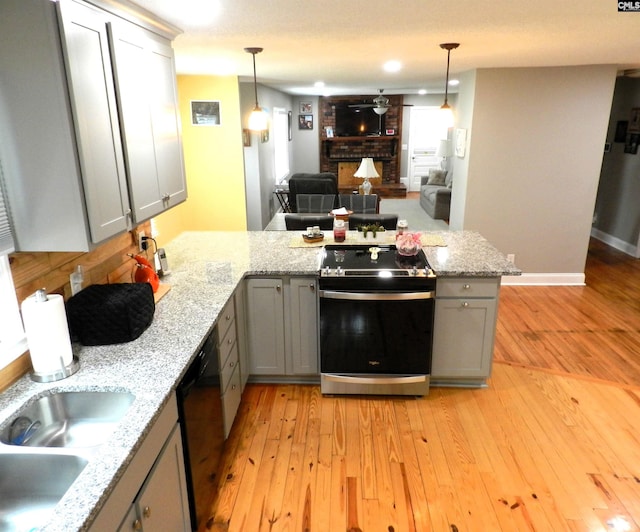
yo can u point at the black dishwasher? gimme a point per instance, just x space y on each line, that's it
200 410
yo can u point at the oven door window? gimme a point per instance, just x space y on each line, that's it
380 337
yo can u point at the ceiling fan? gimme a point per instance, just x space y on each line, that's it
380 104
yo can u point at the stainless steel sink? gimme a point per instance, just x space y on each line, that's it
67 419
31 484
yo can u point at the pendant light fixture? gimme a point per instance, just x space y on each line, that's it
258 118
447 113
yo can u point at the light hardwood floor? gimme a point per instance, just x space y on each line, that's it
551 444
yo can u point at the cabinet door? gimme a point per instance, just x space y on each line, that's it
463 338
162 502
146 88
241 331
304 326
93 103
265 326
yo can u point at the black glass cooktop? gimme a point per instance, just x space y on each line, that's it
360 260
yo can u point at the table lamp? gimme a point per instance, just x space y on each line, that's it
365 171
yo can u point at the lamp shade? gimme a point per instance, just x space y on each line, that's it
258 119
444 149
366 169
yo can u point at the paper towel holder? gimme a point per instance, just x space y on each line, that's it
62 373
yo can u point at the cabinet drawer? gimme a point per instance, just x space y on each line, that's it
228 367
225 343
231 401
226 318
468 287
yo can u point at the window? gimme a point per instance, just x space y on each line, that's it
281 144
12 339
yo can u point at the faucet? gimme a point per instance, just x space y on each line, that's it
25 429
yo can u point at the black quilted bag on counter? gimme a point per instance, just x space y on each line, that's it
104 314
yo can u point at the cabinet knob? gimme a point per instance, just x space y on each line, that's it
233 386
146 512
466 286
278 288
312 287
231 364
229 341
465 304
137 525
166 198
227 317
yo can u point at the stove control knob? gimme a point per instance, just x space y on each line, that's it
414 272
327 270
339 271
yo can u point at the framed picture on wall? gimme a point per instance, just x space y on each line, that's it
634 120
621 131
631 146
460 142
205 113
306 108
305 121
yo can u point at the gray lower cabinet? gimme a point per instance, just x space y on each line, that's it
152 492
230 382
162 502
282 325
71 177
464 330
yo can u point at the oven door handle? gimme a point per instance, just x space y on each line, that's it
375 296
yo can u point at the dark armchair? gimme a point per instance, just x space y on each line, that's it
299 222
321 183
388 221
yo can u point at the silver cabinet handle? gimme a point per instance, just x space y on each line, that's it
465 304
466 286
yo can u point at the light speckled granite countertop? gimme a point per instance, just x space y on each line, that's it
205 269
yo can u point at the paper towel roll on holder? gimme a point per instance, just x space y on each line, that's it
62 373
64 370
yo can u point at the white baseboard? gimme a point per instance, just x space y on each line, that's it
615 242
544 279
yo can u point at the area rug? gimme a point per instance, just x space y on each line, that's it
410 210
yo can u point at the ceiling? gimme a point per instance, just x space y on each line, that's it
344 43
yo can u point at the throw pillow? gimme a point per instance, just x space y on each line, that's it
437 177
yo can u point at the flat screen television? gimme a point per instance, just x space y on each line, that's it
357 122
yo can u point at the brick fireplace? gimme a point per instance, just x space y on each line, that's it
384 149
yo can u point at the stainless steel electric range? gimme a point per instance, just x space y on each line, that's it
376 320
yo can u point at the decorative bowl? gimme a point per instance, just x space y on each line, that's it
408 244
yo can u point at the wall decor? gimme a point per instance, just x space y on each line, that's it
305 121
634 120
461 142
205 113
390 131
264 135
246 137
329 131
631 145
306 108
621 131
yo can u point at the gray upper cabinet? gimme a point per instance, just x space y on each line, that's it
93 102
147 97
68 110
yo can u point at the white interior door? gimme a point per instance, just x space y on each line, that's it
425 132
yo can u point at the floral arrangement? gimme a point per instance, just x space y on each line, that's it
373 228
408 243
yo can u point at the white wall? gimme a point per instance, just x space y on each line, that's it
533 162
306 154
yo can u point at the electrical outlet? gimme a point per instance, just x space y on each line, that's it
140 235
511 258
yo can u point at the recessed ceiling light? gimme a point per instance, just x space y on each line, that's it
318 84
422 92
454 82
392 66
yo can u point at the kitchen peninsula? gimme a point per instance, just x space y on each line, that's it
207 269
